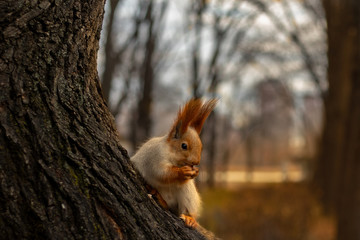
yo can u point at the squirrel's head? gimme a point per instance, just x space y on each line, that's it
184 140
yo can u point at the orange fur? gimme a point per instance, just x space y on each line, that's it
192 155
184 117
189 221
193 114
157 196
202 115
180 174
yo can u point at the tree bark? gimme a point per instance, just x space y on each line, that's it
63 173
337 173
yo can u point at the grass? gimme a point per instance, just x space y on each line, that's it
265 212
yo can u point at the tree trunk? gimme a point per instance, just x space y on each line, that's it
110 56
338 168
63 173
198 6
145 103
212 122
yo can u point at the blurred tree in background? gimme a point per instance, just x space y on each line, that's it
138 56
338 167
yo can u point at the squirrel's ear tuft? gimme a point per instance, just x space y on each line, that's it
176 133
202 115
184 118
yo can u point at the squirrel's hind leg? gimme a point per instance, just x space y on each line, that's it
157 196
189 221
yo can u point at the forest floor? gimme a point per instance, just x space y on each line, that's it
283 211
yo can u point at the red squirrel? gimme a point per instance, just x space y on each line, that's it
168 163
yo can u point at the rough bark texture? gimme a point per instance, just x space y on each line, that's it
338 169
63 173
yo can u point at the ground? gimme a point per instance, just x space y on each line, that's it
280 211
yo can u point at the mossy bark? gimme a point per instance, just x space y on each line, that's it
63 173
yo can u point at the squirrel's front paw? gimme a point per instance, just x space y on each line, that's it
189 172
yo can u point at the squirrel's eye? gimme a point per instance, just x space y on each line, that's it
184 146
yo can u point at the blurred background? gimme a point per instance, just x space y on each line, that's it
267 63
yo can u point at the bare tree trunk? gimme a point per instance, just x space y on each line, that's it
337 172
110 55
213 76
250 158
147 80
63 173
198 6
211 149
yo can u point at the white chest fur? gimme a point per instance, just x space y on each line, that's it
182 198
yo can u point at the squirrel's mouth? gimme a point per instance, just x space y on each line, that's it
188 164
193 165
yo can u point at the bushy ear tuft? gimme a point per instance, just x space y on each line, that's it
192 114
185 115
205 110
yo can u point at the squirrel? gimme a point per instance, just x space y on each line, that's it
168 163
